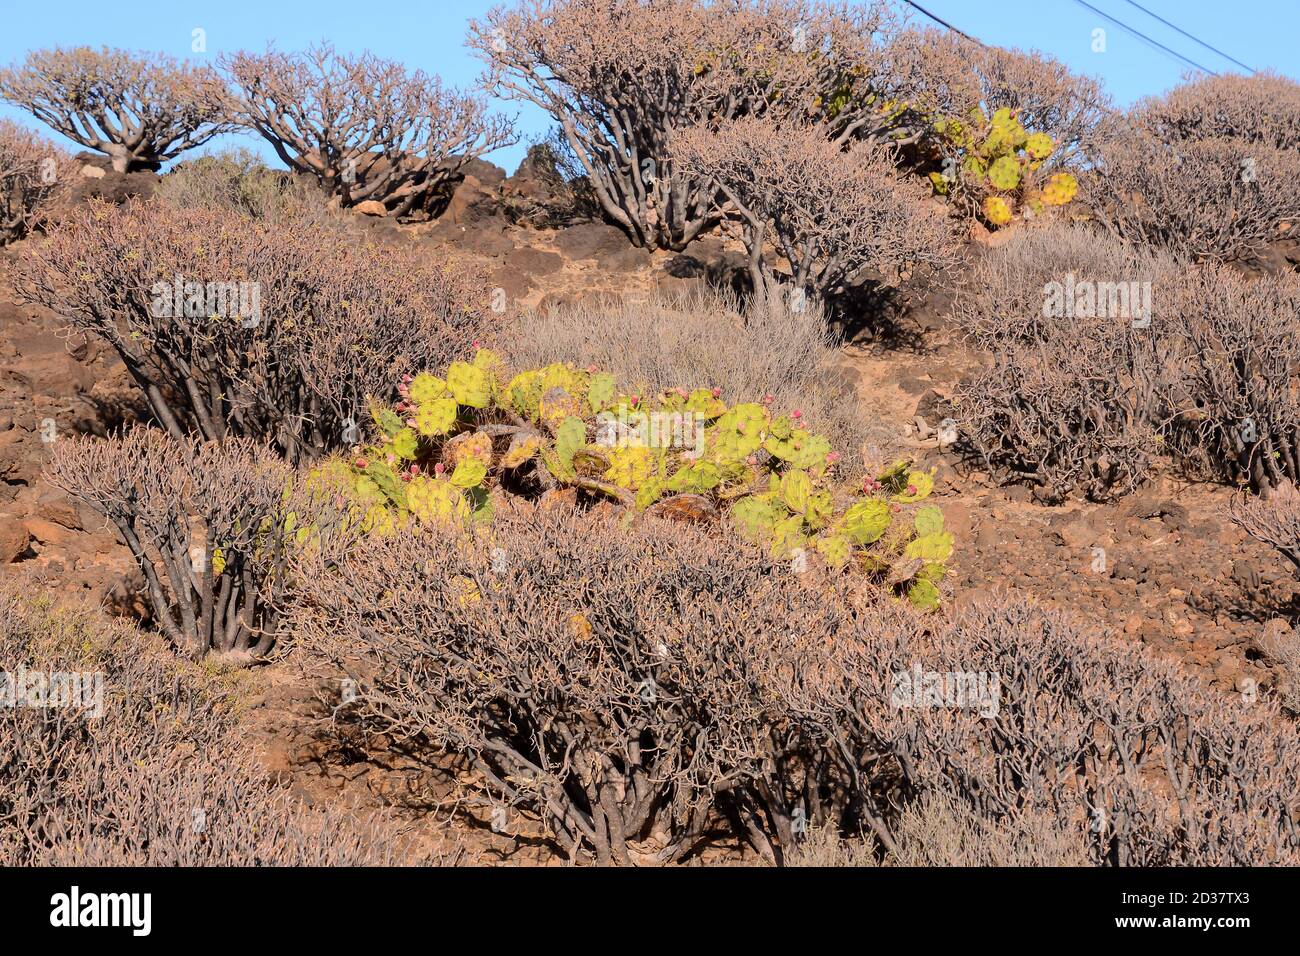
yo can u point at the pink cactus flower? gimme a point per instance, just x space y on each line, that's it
716 391
769 398
407 379
796 414
832 457
751 460
911 489
476 345
591 369
362 464
439 468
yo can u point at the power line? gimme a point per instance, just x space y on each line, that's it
1173 26
1142 36
943 23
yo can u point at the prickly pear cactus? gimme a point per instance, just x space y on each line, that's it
992 167
441 455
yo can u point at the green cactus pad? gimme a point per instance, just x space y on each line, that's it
924 594
930 547
426 387
1004 174
601 390
469 385
867 521
928 520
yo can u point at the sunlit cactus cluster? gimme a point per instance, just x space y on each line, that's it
445 453
994 165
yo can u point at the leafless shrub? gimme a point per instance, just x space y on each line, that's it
33 174
1273 518
365 128
211 526
584 681
1079 331
938 830
705 341
636 690
831 213
1155 768
1213 199
155 775
286 327
1240 362
238 181
1260 109
620 76
139 109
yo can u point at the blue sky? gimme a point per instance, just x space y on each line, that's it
430 34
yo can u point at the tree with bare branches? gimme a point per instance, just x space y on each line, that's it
33 174
829 212
364 127
620 76
140 110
